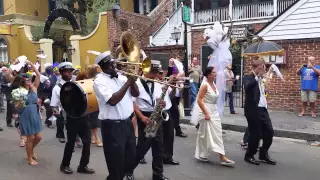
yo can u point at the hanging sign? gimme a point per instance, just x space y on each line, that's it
5 29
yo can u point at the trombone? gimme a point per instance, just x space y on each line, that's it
129 50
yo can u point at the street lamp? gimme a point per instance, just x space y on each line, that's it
115 11
70 49
39 51
176 35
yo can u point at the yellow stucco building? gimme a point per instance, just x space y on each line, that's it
17 17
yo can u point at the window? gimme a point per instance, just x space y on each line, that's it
3 51
275 59
1 7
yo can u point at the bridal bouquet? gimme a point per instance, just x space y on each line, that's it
19 97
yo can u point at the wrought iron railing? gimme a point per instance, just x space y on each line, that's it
242 12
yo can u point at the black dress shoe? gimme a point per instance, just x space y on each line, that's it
129 177
62 140
9 125
66 169
143 161
267 160
159 177
85 170
183 135
170 162
251 160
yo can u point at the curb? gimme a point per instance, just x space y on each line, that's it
277 132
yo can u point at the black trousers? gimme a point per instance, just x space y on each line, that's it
119 147
260 127
60 126
49 113
10 108
81 127
168 138
174 111
144 144
246 136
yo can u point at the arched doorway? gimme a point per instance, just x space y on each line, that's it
60 47
4 55
64 13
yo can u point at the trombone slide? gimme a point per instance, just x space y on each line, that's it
147 79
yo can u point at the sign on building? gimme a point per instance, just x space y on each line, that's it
186 14
239 33
5 29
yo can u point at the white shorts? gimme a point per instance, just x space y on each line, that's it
310 96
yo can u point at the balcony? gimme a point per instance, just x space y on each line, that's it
263 10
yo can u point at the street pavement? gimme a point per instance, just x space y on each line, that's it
296 160
285 124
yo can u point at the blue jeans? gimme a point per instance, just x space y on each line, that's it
194 92
230 95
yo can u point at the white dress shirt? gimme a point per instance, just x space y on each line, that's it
144 100
55 98
104 87
263 99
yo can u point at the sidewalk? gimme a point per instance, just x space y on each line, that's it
285 124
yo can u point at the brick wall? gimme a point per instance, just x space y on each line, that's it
133 22
140 26
286 95
174 50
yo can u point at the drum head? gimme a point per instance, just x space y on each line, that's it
73 99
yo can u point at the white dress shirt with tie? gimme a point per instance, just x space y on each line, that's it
104 87
263 99
144 101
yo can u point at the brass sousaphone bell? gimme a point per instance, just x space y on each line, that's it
130 51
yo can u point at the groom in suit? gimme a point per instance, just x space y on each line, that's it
255 110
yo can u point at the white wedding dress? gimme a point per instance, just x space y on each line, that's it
210 132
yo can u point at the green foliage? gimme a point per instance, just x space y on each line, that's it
94 8
235 50
55 34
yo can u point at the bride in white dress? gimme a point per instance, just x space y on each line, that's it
210 132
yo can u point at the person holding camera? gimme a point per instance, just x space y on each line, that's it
309 85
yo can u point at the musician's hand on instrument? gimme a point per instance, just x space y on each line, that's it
172 79
132 79
146 120
162 103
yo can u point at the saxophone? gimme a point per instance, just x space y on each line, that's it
156 117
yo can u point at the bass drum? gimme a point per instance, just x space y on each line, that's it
78 98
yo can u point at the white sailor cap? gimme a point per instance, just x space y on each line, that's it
104 57
46 65
155 64
65 65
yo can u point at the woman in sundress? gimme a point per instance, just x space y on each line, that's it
29 117
205 113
